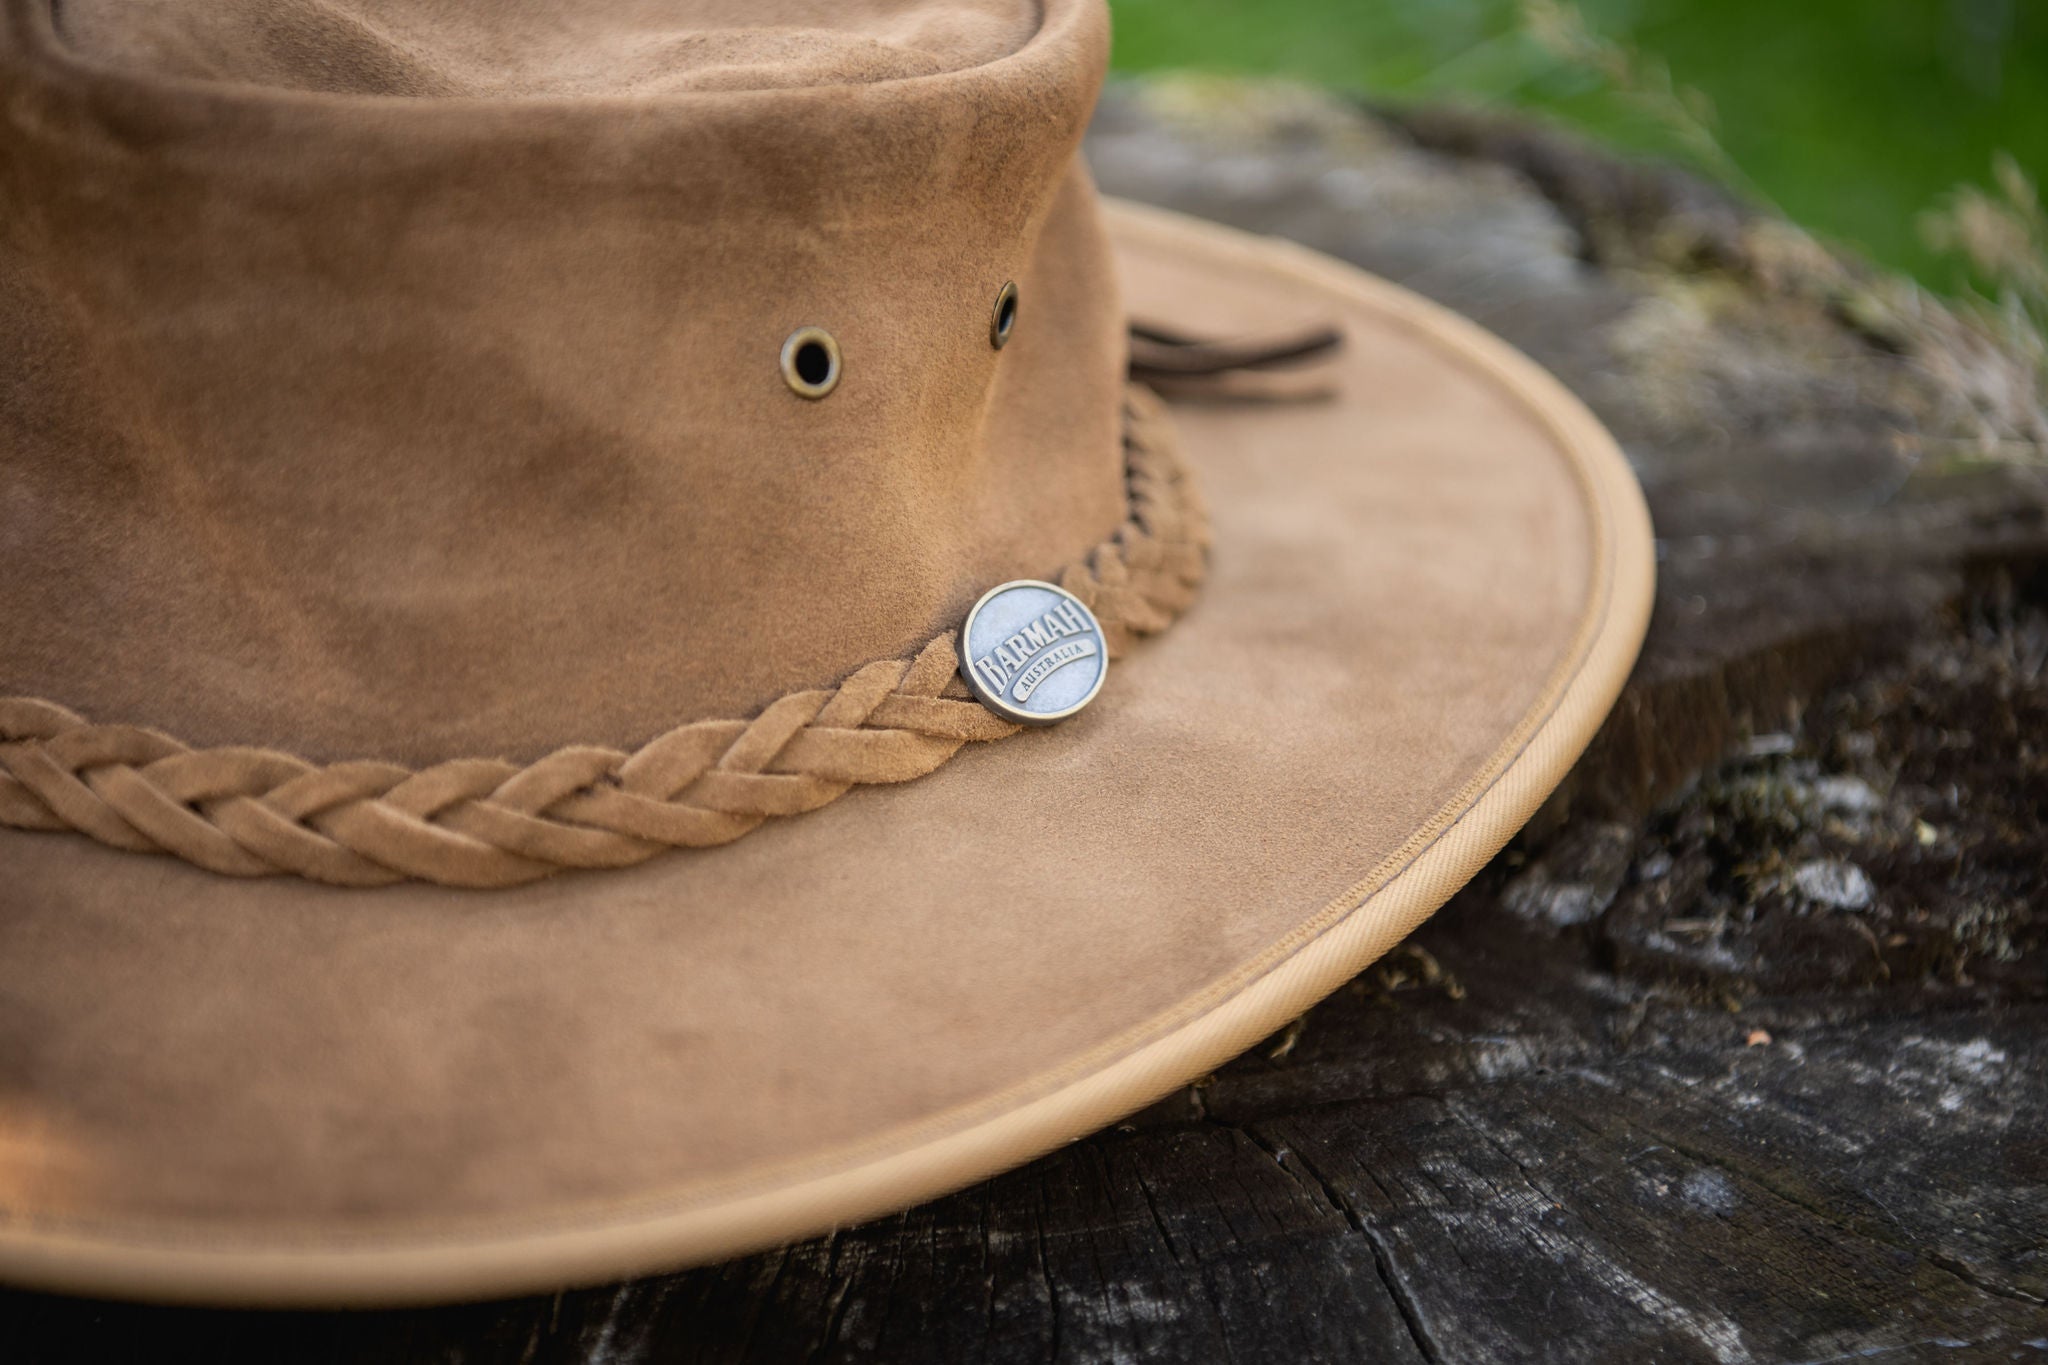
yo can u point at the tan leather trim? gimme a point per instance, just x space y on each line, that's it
971 1141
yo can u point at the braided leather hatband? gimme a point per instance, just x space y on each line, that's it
483 822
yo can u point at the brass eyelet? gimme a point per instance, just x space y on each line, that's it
1002 319
810 362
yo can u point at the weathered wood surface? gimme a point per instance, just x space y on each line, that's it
1740 1053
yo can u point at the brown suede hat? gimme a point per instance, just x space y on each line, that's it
489 500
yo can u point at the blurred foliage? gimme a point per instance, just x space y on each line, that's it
1867 121
2003 236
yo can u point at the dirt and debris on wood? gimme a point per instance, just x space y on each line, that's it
1739 1053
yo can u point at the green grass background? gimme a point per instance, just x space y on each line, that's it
1852 116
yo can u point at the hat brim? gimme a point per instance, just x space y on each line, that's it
1426 592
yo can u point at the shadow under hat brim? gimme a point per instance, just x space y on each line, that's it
1425 594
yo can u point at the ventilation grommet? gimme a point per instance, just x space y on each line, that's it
1002 320
810 362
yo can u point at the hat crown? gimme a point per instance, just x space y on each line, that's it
537 48
382 380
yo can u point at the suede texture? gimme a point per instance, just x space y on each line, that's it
1397 576
414 429
540 47
374 386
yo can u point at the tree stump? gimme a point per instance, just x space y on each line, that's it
1739 1053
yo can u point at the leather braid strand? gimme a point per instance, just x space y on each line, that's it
482 822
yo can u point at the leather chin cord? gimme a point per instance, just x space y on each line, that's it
1173 361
